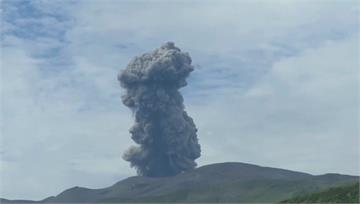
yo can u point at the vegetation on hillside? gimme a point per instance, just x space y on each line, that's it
341 194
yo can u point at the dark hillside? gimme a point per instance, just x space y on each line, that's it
341 194
225 182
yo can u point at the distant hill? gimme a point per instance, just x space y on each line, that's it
222 182
341 194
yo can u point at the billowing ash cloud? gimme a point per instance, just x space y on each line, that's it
165 134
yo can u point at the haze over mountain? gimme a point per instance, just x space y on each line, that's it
224 182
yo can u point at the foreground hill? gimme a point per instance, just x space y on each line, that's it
341 194
225 182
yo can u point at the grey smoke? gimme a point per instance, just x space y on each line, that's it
165 134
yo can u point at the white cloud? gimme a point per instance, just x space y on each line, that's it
302 115
45 138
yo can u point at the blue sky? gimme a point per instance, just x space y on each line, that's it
275 84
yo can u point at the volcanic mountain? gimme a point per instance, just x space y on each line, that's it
221 182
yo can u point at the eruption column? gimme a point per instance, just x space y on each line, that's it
165 134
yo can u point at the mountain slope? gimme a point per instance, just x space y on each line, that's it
224 182
216 182
341 194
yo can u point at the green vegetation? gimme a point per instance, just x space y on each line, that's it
254 191
341 194
224 182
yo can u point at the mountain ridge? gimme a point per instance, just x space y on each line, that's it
226 182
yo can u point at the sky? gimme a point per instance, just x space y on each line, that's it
275 84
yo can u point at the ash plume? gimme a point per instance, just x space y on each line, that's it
165 134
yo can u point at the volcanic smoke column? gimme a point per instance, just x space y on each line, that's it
165 134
